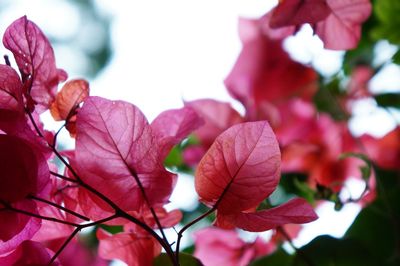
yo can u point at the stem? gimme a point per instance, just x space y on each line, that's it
63 177
56 135
180 233
34 124
77 229
305 258
40 216
60 207
7 60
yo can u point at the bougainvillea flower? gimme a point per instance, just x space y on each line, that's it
312 144
341 30
35 59
238 172
24 171
297 12
215 247
384 151
172 126
133 249
214 124
76 253
16 227
29 253
265 72
118 154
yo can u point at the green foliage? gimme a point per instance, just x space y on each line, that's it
378 225
387 14
329 251
184 259
326 99
388 100
279 257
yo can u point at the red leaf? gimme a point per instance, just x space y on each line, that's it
116 149
240 169
172 126
341 30
297 12
295 211
35 58
132 249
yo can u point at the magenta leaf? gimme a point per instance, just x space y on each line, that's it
10 90
35 59
341 30
172 126
214 124
131 248
240 169
15 227
296 211
297 12
29 253
117 154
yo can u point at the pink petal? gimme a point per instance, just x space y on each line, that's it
133 250
297 12
115 148
29 253
295 211
35 59
10 90
172 126
240 169
15 227
214 125
341 30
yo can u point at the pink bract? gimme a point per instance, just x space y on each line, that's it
35 59
215 247
116 149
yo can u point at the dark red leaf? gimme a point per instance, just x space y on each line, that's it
23 170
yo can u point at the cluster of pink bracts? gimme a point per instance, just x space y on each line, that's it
116 176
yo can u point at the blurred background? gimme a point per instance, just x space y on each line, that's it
156 53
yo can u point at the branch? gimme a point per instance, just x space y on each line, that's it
9 207
77 229
60 207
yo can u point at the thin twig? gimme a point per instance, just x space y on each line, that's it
60 207
63 177
79 228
